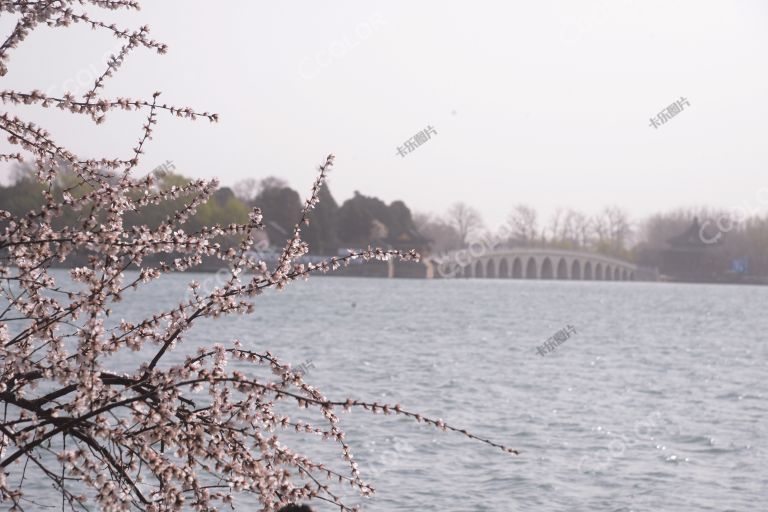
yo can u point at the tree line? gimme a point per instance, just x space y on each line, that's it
357 222
362 220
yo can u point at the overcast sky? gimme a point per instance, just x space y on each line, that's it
542 102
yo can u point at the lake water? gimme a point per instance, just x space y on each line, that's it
657 402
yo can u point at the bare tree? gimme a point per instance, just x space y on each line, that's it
580 227
249 188
555 226
246 190
523 223
443 237
271 182
612 229
166 433
572 229
466 220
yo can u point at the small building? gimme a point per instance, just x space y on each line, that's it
695 256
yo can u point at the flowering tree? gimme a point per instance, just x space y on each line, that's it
163 436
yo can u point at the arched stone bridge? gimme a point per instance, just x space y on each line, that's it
524 263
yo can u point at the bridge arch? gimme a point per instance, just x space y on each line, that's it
562 269
490 268
517 269
598 272
503 268
576 269
588 271
616 274
547 272
531 269
479 269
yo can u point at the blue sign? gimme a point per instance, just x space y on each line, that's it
739 266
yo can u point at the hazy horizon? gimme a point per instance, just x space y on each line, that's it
547 103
